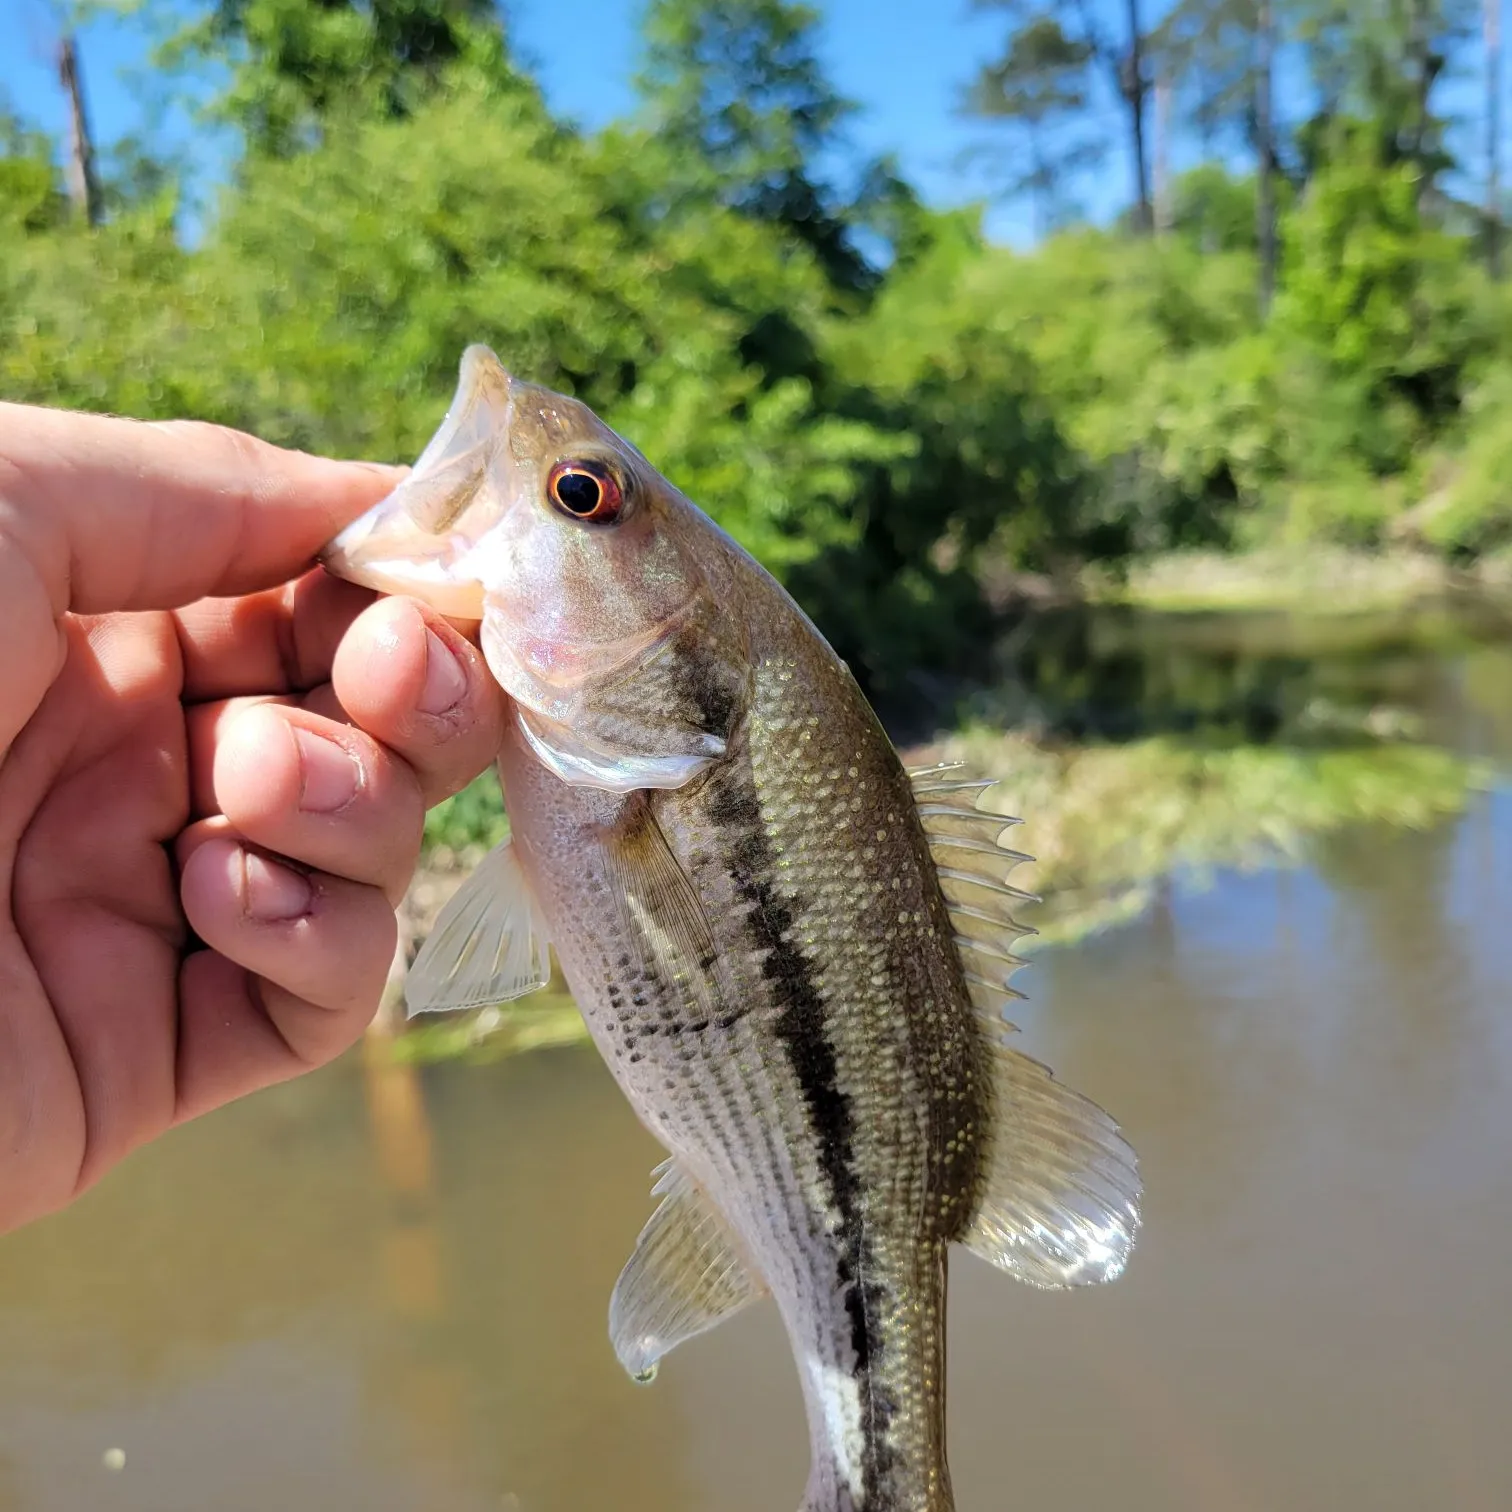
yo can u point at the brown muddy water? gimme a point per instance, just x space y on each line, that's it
385 1288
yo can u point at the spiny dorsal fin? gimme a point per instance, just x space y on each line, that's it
685 1276
1060 1201
488 945
973 865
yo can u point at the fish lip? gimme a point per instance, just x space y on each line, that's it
336 553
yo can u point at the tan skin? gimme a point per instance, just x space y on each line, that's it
186 704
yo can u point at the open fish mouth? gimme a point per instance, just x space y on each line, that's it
420 538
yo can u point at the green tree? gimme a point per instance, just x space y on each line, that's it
1370 282
32 197
1122 60
736 90
1039 88
1381 64
1221 53
294 64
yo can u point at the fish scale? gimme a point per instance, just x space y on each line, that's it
792 955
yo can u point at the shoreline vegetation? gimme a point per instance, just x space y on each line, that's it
1320 580
1108 826
1109 823
1306 352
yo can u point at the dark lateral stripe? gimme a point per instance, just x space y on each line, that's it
800 1026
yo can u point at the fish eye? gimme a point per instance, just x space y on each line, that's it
587 491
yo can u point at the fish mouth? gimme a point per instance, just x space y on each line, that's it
421 538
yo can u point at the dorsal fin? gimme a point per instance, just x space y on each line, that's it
1059 1202
973 865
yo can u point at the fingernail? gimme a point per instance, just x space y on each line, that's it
329 775
271 893
445 681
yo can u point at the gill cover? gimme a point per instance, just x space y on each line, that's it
626 669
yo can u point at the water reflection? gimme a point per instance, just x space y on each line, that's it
384 1288
1115 674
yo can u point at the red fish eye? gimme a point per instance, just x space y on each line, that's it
586 491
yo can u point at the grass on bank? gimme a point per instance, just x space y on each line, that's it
1319 580
1106 823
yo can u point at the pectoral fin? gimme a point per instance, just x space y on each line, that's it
663 911
489 943
1060 1202
687 1274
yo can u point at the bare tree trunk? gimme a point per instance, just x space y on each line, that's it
1164 210
1265 133
1126 65
1425 73
1134 90
1041 192
1493 136
83 189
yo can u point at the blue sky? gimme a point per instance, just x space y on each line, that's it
902 61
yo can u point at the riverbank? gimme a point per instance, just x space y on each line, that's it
1107 824
1318 579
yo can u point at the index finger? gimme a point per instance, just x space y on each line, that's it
125 514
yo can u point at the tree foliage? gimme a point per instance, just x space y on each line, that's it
1038 85
888 432
292 65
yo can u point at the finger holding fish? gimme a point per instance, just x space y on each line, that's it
292 973
309 807
341 775
324 792
414 682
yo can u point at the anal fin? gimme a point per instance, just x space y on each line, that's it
1059 1204
685 1276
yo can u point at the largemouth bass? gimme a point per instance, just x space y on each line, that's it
792 953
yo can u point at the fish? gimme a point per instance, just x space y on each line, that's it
792 952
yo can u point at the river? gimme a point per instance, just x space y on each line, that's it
385 1287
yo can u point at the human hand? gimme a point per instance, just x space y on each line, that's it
183 702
